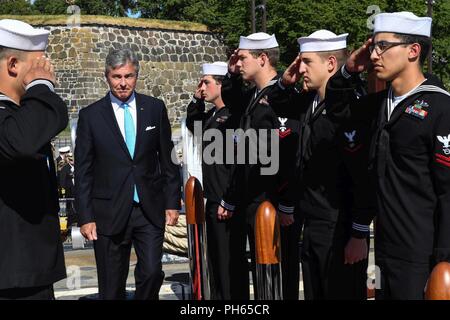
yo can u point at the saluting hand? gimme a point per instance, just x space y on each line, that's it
89 231
198 91
40 69
292 73
172 217
359 60
232 63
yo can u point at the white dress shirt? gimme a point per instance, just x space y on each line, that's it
120 114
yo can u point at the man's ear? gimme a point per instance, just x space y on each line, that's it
264 59
12 65
414 51
332 63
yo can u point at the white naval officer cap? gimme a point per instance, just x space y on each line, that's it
322 40
259 40
16 34
64 149
215 69
402 22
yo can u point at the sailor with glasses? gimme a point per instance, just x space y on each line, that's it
409 153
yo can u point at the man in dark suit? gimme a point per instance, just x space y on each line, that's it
31 114
125 179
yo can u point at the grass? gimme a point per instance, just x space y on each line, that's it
45 20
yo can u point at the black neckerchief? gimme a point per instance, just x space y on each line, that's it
304 151
247 118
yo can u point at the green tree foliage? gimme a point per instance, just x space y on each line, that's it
288 19
115 8
441 41
21 7
302 17
295 18
167 10
51 7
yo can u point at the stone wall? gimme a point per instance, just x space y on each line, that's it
170 62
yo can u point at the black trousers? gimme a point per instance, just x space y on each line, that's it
346 281
34 293
244 218
112 254
250 222
290 258
290 265
400 279
290 254
325 276
226 255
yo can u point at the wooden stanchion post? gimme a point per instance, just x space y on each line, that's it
195 218
438 287
268 253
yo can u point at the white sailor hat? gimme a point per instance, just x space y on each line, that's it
64 149
322 40
402 22
259 40
19 35
215 69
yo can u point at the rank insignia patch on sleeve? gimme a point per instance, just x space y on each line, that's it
352 145
283 131
445 140
443 160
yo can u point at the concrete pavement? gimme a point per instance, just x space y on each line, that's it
81 282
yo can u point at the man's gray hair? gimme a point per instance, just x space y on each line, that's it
119 58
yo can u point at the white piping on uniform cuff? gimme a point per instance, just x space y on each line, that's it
360 227
194 100
227 206
285 209
48 83
345 73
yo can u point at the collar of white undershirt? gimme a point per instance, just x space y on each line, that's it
393 102
397 100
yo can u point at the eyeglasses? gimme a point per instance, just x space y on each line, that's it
382 46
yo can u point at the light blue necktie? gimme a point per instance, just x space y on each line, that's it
130 137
